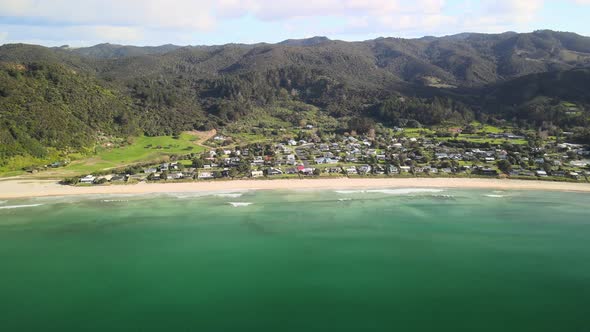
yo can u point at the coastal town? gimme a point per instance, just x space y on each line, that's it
402 152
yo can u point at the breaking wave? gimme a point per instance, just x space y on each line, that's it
407 191
18 206
495 196
229 195
240 204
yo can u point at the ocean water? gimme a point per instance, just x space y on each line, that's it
373 260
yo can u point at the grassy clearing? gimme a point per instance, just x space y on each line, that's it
140 150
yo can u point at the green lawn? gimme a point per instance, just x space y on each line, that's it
142 149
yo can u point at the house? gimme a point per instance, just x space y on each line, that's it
405 169
308 170
431 170
164 167
364 169
176 176
205 175
540 173
257 174
333 170
118 178
150 170
292 170
274 171
487 171
574 175
351 170
88 179
379 170
393 169
324 160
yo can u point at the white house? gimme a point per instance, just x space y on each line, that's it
257 174
88 179
205 175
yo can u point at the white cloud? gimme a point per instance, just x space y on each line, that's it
161 21
117 34
149 13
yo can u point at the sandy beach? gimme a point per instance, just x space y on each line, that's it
39 188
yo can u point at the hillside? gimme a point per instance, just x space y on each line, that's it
62 98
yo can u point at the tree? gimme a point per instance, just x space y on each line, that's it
317 172
504 166
198 163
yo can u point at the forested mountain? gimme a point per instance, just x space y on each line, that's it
63 98
110 51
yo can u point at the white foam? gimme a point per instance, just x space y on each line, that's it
19 206
115 200
229 195
345 199
406 191
240 204
403 191
3 202
495 196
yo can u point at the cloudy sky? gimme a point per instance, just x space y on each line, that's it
198 22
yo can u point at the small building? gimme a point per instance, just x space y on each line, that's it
88 179
351 170
405 169
274 171
205 175
541 174
364 169
257 174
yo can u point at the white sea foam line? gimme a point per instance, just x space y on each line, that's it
229 195
240 204
3 202
391 191
495 196
19 206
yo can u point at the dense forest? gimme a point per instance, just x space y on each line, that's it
65 98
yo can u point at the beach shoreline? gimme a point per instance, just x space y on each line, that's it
25 188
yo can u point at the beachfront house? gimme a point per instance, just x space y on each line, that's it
205 175
351 170
88 179
274 171
541 174
257 174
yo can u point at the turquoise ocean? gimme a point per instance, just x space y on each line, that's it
331 260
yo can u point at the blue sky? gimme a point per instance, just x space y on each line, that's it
197 22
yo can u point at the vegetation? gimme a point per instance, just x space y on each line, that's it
59 103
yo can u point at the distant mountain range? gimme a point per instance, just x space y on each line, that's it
168 88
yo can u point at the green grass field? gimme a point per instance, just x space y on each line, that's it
141 150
